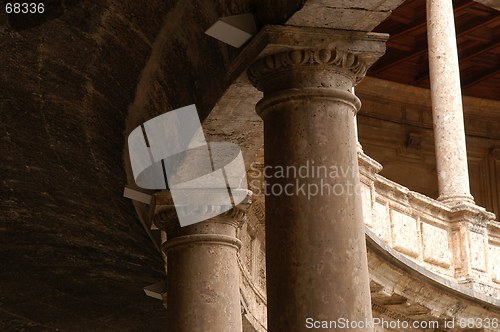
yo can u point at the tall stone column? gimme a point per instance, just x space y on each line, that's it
449 132
315 239
360 148
203 283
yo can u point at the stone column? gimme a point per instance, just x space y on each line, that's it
203 286
315 239
360 148
449 133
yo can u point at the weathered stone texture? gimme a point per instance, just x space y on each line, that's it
436 248
447 110
344 14
70 243
404 233
73 255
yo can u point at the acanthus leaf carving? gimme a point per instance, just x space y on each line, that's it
335 58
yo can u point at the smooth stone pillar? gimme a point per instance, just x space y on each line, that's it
449 132
315 241
360 147
203 285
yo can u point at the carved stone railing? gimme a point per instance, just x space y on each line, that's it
251 260
461 243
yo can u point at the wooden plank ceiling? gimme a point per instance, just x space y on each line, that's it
478 38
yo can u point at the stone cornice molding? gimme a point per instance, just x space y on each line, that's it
471 213
464 212
368 166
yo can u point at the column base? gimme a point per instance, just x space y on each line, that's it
454 200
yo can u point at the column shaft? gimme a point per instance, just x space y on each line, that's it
203 284
315 241
449 132
316 254
203 278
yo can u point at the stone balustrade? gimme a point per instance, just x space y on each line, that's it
460 243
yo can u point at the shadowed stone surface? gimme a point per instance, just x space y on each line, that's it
73 255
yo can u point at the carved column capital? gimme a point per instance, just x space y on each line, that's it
165 216
237 214
281 65
300 57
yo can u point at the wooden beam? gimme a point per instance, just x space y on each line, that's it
488 47
423 50
476 52
477 24
481 77
423 22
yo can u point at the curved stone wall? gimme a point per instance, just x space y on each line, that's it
72 254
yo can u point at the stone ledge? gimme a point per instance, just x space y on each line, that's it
414 269
460 243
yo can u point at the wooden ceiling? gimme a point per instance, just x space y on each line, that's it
478 38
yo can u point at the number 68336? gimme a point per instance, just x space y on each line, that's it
24 8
